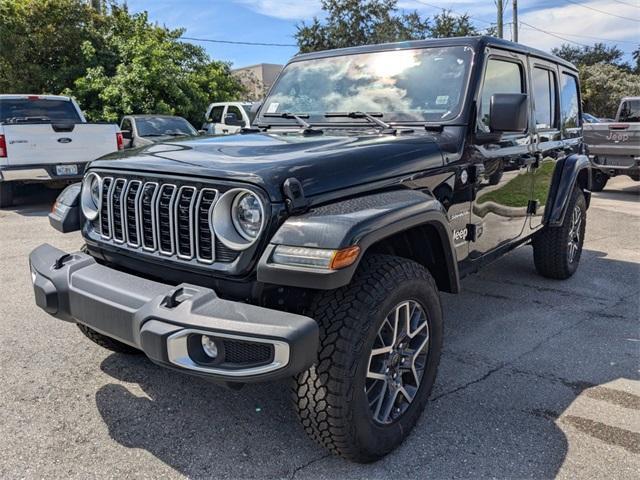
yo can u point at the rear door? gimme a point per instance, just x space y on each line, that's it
548 143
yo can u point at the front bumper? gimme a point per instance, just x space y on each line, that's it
167 322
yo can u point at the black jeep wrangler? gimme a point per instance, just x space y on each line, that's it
315 243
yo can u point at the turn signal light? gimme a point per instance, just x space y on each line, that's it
315 257
120 141
345 257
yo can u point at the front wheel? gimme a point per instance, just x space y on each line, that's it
557 250
380 343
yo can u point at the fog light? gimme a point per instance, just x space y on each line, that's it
209 346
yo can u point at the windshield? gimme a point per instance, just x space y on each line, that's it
418 85
37 109
157 126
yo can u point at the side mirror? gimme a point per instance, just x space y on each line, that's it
508 112
126 134
232 119
202 132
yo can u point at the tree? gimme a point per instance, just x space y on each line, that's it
603 85
447 25
112 61
41 43
359 22
636 58
586 55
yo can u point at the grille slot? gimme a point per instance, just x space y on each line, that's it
172 220
239 352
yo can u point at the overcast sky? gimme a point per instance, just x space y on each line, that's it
274 21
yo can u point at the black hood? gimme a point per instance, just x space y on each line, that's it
323 163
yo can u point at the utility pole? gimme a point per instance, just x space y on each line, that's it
500 5
515 21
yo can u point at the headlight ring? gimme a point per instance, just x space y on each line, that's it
91 195
238 218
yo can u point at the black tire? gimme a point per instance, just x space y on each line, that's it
6 194
599 181
107 342
551 247
330 397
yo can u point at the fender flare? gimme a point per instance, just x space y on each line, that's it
565 178
361 221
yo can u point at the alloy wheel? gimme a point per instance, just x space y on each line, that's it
573 243
397 361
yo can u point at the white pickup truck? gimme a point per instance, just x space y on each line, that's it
46 138
614 147
227 118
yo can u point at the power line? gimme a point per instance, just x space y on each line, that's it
239 43
553 34
628 4
602 11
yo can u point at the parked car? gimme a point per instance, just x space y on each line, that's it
614 148
225 118
140 130
315 244
46 139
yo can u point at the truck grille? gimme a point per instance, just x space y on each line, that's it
164 218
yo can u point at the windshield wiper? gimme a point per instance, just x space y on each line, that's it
371 118
299 118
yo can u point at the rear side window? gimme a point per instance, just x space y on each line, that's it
544 94
37 109
216 114
570 108
630 111
236 110
500 77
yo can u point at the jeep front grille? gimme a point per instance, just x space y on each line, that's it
162 218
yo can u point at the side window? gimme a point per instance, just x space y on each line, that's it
570 109
126 125
630 111
544 94
501 76
236 110
216 114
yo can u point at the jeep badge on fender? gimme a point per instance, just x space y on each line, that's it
315 244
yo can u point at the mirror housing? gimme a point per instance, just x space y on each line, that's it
508 112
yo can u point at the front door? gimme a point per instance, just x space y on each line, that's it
499 210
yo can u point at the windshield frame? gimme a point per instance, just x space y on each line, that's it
262 121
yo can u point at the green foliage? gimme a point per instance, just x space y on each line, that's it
359 22
598 53
112 61
447 25
604 85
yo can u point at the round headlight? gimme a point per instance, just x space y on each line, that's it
91 195
238 218
246 213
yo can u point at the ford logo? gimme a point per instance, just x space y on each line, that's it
64 140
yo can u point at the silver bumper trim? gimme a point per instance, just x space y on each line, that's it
24 174
178 354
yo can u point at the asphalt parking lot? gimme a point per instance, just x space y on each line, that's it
538 379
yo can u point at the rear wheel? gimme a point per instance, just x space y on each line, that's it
599 181
557 250
107 342
380 343
6 194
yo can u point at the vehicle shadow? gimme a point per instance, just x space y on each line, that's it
509 370
33 200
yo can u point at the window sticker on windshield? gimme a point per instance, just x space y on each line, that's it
273 107
442 99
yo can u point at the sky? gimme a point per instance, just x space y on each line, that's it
543 22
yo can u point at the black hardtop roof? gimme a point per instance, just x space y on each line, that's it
152 115
474 42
